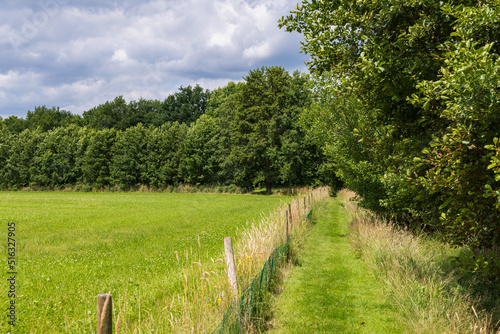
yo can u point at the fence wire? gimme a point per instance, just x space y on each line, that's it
246 311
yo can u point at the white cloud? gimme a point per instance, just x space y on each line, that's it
259 50
120 56
13 80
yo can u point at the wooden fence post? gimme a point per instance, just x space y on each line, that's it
291 217
286 225
231 268
105 313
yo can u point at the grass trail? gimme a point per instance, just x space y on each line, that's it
331 290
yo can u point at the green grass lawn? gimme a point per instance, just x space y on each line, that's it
331 290
72 246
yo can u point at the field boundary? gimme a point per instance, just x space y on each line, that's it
247 311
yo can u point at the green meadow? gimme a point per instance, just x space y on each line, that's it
72 246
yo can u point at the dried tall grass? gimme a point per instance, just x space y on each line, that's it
411 265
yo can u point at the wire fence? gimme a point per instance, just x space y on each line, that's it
247 311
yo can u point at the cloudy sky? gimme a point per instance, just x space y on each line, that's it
76 54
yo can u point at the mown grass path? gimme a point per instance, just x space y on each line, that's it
331 290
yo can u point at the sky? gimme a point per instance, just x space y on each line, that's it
77 54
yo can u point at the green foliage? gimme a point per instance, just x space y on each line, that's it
460 166
13 124
143 111
46 119
54 160
256 125
95 152
339 123
108 115
371 62
244 135
186 105
129 166
164 154
201 162
495 167
17 166
5 152
262 136
407 104
148 156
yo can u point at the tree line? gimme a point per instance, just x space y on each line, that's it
184 106
245 134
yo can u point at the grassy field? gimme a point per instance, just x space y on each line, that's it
72 246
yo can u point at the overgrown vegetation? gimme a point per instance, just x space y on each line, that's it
422 278
406 104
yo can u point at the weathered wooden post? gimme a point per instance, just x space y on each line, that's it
287 234
297 204
105 313
231 268
290 211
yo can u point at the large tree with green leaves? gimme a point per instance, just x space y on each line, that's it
257 116
13 124
112 114
95 154
186 105
202 156
54 160
128 166
164 154
22 150
46 119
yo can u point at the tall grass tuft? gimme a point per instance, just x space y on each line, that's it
417 275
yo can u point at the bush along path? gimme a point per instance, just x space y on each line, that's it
329 289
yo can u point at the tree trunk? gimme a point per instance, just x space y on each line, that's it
269 188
